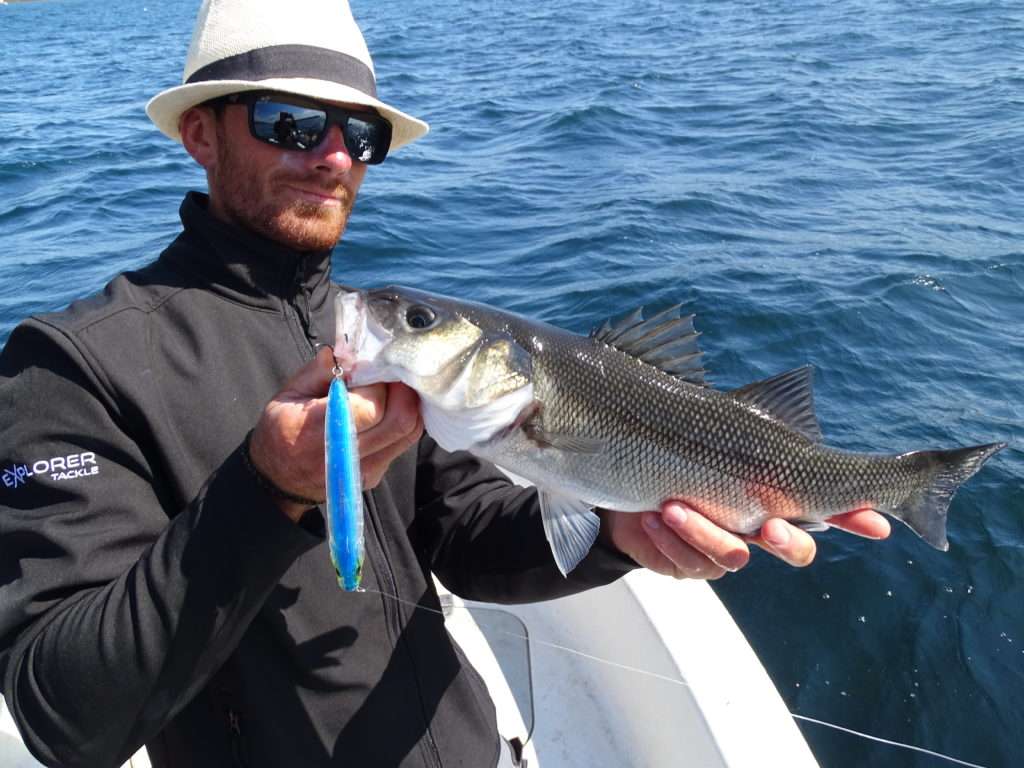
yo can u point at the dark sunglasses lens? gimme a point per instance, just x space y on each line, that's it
367 140
288 125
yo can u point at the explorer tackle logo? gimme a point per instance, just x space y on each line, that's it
58 468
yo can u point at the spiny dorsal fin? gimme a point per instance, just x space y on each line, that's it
664 340
788 397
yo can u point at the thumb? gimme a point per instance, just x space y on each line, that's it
314 378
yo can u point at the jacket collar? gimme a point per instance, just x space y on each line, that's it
244 266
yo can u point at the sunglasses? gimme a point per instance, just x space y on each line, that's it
291 122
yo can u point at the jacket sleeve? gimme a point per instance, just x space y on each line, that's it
485 537
114 608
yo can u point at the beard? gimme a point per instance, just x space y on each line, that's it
263 204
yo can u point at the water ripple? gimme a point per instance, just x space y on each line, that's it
835 184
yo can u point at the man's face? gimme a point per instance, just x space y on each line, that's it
299 199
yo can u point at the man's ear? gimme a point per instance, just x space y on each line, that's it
198 127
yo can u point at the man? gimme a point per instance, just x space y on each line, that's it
165 577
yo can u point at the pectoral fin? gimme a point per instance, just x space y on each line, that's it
568 443
571 527
534 429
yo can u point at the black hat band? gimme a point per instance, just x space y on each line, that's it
292 61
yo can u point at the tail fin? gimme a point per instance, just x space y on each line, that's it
942 473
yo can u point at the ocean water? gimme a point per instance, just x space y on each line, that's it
834 184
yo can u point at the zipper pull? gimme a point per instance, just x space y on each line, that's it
235 730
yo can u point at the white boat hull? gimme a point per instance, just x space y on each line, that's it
700 697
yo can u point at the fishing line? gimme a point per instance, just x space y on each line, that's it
530 639
887 741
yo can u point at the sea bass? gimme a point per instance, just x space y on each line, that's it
622 419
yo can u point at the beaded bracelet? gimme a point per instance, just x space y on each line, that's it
267 484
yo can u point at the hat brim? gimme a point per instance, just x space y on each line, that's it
166 108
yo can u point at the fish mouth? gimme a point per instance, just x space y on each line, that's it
359 339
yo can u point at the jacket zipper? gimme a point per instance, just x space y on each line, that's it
301 307
300 303
392 611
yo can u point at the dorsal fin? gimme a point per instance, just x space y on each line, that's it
665 340
788 397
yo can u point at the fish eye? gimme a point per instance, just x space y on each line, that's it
420 317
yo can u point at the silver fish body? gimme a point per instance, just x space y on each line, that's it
621 419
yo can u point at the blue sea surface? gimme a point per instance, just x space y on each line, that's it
839 184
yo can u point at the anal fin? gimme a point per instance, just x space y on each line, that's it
812 526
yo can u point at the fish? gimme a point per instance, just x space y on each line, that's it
344 488
624 419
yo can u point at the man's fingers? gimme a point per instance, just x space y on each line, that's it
650 556
677 558
798 548
314 378
369 405
397 417
863 522
786 542
391 424
718 545
373 466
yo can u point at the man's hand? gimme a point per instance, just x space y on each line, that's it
678 541
287 446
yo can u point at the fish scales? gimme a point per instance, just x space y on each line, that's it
675 432
670 439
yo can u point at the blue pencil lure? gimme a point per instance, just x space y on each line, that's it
344 487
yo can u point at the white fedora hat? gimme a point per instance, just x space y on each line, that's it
311 48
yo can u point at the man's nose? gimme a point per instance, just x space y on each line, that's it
331 154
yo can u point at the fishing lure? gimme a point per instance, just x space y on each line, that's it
344 487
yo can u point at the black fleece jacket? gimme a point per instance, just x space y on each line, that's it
150 592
